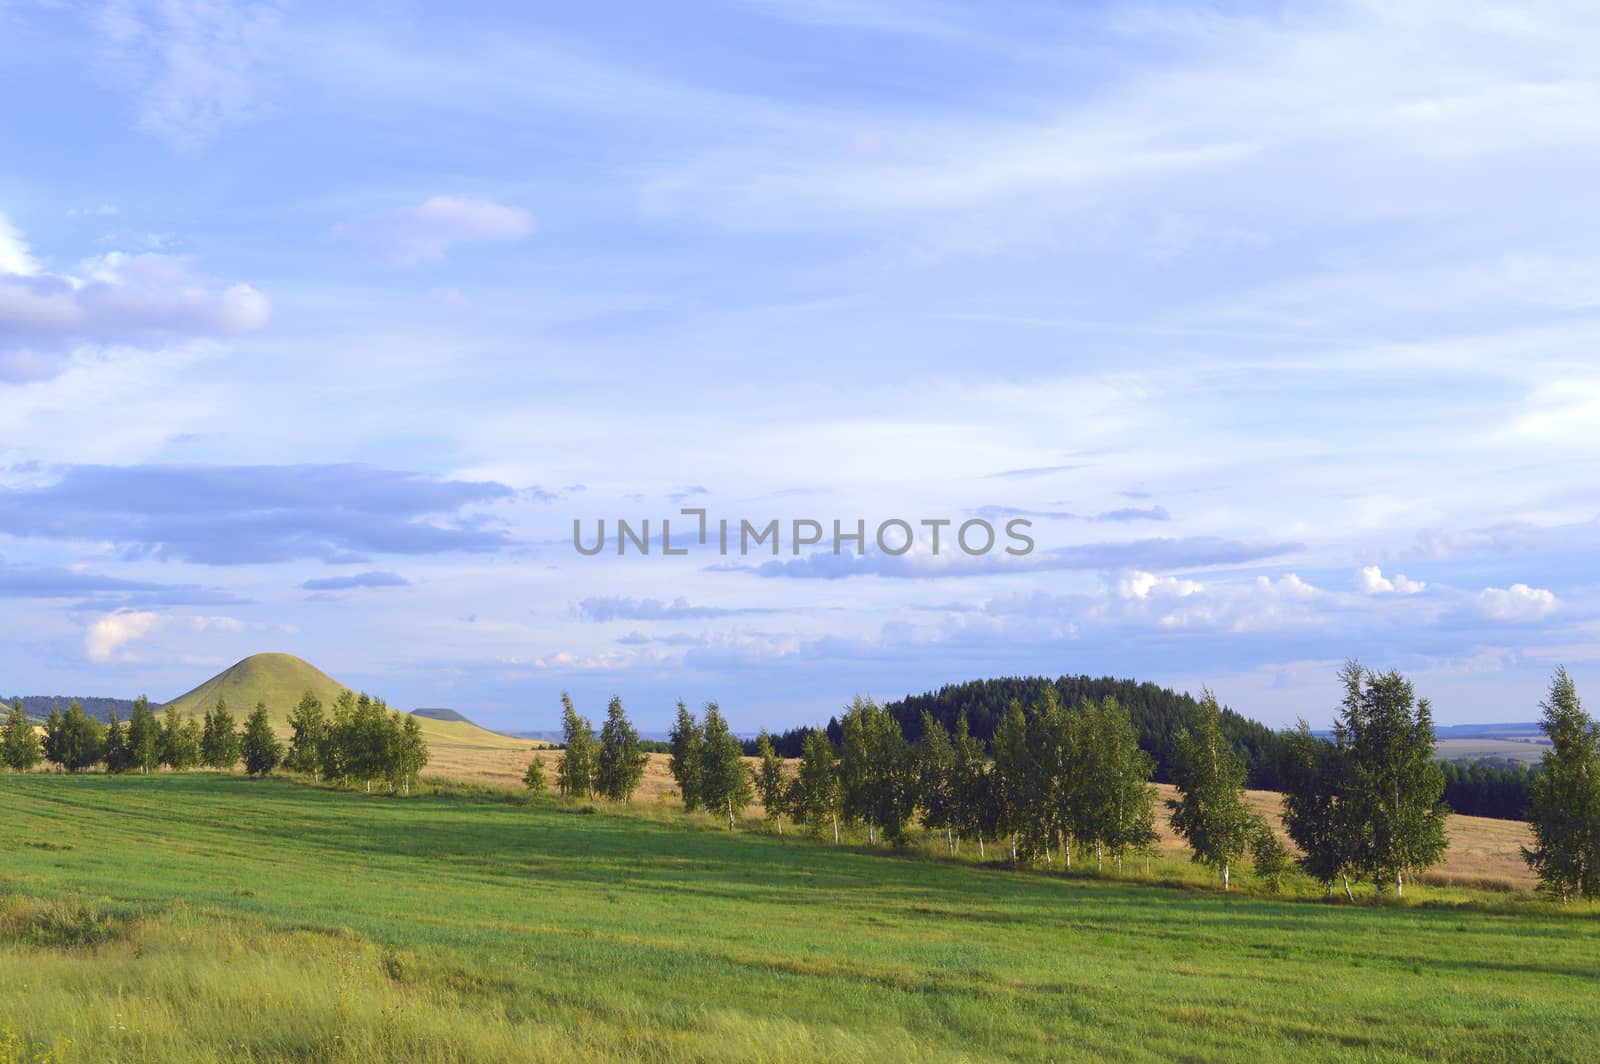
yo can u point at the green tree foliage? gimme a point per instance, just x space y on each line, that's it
1322 823
117 755
725 778
1210 811
369 741
1158 714
74 740
180 740
970 786
1397 786
1116 811
335 746
575 771
1269 857
533 779
772 781
620 765
877 773
936 781
1492 787
687 746
817 785
408 752
20 748
219 741
308 731
1008 779
1565 806
259 746
144 737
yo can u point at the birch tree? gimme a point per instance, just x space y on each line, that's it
772 781
688 743
144 737
1397 786
576 767
725 778
19 743
1565 806
620 765
1210 811
819 783
260 747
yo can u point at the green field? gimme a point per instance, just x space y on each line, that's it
205 917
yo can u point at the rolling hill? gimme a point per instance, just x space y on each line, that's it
280 680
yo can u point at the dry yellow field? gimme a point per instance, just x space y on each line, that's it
1483 852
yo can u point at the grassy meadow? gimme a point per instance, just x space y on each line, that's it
212 917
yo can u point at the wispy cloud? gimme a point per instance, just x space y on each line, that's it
193 65
426 232
625 608
1159 555
371 578
231 515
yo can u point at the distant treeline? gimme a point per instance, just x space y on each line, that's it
1159 715
1492 787
39 706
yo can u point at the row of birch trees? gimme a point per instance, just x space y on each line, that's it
361 742
1059 783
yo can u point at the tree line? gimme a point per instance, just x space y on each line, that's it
1159 716
1059 781
361 742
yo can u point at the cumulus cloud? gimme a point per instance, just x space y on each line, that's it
116 299
109 635
111 632
15 258
231 515
1373 582
372 578
1144 585
425 232
1519 602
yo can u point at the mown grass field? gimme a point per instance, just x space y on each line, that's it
211 917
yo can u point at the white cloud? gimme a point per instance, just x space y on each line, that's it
1373 582
113 631
113 300
410 236
192 63
15 259
1143 585
1519 602
1289 585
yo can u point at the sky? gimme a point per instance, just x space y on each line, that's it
321 325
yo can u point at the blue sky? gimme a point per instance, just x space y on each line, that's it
320 325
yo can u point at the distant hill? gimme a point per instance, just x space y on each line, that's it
1526 729
435 713
281 680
